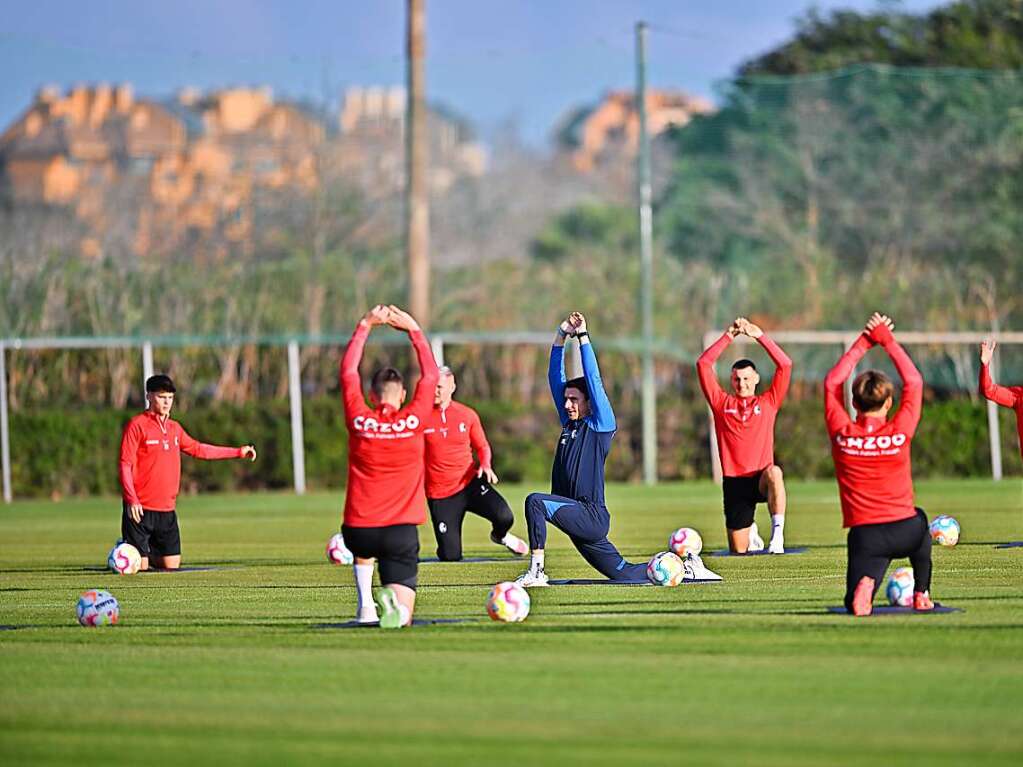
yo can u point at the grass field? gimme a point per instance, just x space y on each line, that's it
233 665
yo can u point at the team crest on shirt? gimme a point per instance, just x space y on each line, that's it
461 427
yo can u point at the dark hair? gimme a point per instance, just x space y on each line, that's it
159 384
385 377
580 384
744 363
870 390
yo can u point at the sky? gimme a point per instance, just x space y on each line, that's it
523 63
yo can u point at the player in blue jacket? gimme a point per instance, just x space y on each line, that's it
576 502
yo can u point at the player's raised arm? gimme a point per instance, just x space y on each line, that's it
556 370
602 415
782 362
880 328
429 374
835 414
351 385
1002 395
705 366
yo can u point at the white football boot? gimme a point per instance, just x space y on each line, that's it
534 576
513 543
695 569
367 614
756 543
777 545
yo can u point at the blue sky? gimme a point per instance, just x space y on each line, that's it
528 61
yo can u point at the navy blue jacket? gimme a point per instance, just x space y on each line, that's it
578 471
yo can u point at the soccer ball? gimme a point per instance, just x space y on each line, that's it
945 531
665 569
337 552
508 602
900 587
98 608
124 559
685 540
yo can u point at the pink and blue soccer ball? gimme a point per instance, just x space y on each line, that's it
337 552
665 569
684 541
945 531
98 608
508 602
124 559
900 587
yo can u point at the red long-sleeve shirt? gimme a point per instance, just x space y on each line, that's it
744 425
1006 396
150 466
873 461
452 434
385 446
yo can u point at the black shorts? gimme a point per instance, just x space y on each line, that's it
157 535
742 494
447 515
395 548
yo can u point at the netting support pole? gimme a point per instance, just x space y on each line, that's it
715 457
5 444
297 436
995 437
147 363
437 345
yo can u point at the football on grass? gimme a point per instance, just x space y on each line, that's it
900 587
508 602
665 569
337 552
124 559
945 531
98 608
685 540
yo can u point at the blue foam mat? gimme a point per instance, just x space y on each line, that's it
185 569
1010 545
765 552
606 582
435 560
415 622
939 609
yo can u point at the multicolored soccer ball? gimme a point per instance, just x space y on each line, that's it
124 559
945 531
685 540
900 587
337 552
508 602
665 569
98 608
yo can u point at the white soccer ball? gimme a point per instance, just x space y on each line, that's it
337 552
945 530
900 587
685 540
508 602
98 608
665 569
124 559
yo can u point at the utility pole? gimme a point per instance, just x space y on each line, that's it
417 202
646 260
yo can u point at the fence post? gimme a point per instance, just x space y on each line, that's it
297 436
437 345
5 446
995 437
147 363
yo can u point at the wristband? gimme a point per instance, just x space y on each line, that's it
582 333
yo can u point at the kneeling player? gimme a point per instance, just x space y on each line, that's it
1006 396
744 426
150 473
874 471
384 501
455 483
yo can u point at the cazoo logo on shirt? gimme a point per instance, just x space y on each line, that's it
371 426
869 444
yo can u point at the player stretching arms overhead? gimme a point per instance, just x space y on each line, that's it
150 473
873 467
455 483
744 425
1007 396
384 501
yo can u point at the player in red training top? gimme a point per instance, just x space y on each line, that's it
384 501
455 482
744 425
874 470
150 473
1007 396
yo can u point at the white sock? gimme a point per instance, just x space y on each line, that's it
777 524
364 585
404 614
536 563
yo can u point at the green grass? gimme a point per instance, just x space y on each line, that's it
230 666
